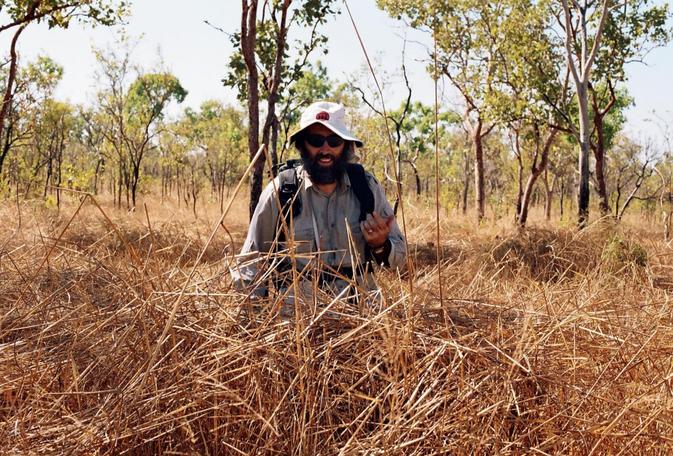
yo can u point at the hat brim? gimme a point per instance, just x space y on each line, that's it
346 135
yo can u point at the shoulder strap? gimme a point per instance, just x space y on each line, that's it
290 202
360 186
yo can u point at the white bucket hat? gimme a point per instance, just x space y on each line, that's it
331 115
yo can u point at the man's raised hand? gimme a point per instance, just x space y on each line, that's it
375 229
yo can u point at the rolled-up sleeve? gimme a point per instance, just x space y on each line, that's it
398 252
259 241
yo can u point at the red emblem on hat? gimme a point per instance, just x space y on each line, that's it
322 115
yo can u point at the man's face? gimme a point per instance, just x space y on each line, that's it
325 163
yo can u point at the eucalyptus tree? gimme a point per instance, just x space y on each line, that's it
632 166
18 14
583 23
500 57
263 66
27 124
146 100
418 133
534 100
313 84
468 56
50 121
219 132
607 116
632 29
131 105
92 139
34 84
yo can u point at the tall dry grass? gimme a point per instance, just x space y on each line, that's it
548 342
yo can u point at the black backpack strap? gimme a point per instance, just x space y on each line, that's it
290 202
365 196
360 186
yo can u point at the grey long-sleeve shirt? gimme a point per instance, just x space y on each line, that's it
322 226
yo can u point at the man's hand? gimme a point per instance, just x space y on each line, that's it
376 229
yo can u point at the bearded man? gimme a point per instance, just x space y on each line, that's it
328 219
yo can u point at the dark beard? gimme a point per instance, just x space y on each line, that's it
324 174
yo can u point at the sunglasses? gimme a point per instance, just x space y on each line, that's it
318 140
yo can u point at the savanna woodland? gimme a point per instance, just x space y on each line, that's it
534 315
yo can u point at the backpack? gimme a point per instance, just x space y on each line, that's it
291 204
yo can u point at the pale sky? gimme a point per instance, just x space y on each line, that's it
197 54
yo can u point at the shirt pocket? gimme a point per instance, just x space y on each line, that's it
304 240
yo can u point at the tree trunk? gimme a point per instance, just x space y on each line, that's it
580 68
519 186
583 165
417 177
59 169
119 185
466 183
9 88
248 45
599 154
48 177
134 179
99 163
274 143
6 145
536 171
618 191
562 192
480 197
549 194
272 97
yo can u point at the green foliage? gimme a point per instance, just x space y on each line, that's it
50 202
149 95
631 31
44 74
619 253
615 119
309 14
418 127
313 84
208 143
59 13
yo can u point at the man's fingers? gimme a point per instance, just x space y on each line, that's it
366 230
376 226
378 219
383 222
370 224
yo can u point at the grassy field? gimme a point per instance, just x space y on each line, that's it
114 340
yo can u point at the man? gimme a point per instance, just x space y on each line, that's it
335 221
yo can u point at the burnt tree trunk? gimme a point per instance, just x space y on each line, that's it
417 177
519 180
583 164
599 146
466 183
478 145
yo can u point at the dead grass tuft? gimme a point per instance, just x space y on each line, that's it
537 347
